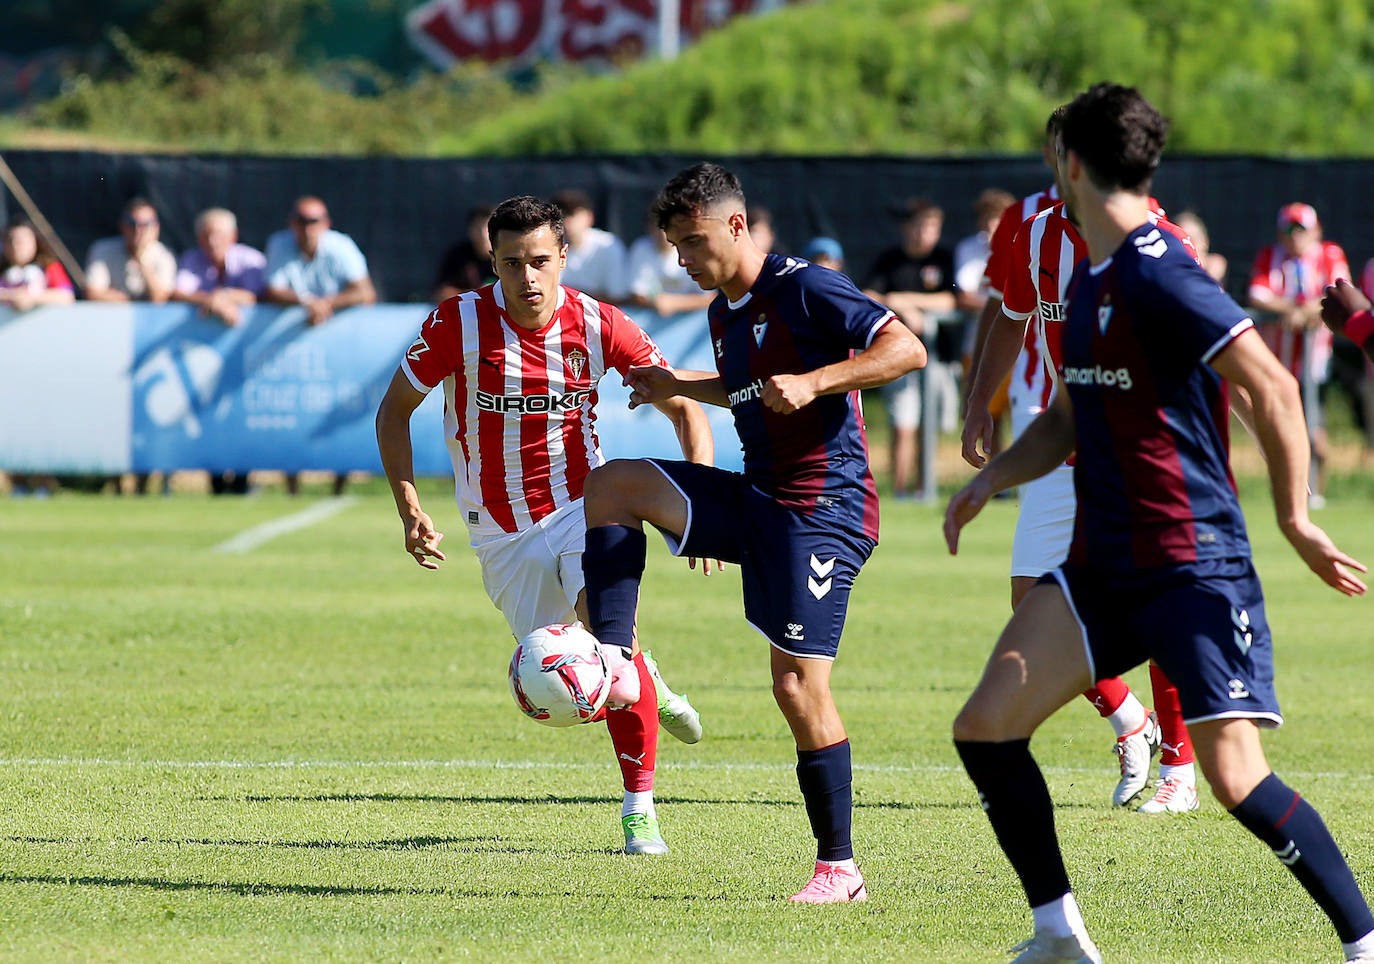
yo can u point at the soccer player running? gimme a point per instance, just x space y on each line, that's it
794 345
1032 278
1160 562
519 360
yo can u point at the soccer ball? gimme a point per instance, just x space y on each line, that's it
558 675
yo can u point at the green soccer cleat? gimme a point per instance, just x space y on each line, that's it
641 835
675 714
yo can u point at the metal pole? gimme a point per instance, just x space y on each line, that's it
41 223
669 36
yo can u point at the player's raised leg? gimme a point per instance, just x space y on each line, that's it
1233 761
801 686
1038 665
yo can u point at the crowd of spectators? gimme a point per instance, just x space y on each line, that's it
934 287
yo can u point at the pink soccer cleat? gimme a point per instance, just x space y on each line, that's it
832 885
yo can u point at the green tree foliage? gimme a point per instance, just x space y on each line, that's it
834 77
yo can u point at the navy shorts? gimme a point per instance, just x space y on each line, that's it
1202 622
797 569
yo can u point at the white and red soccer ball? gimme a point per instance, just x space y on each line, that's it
558 675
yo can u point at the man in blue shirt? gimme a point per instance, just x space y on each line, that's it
1159 566
794 344
311 264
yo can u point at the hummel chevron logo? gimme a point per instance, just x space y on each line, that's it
1242 633
792 265
1152 244
819 587
1290 855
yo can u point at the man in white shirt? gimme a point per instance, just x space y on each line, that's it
596 258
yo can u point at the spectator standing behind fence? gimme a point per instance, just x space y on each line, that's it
221 275
825 253
971 290
916 280
658 281
1214 264
466 265
25 281
1286 287
312 265
135 266
596 258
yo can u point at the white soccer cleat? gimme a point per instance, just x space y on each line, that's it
1367 957
832 885
1135 751
1172 796
675 714
1044 948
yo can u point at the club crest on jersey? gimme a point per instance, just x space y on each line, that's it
1104 314
760 327
576 361
931 276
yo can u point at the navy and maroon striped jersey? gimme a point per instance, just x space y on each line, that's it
1152 472
796 318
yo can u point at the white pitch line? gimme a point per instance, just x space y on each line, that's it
250 539
17 762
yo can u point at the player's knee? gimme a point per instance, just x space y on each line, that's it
610 485
977 722
791 693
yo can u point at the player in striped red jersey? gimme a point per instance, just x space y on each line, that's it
519 361
1025 340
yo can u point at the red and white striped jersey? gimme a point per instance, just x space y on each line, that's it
1027 373
518 404
1300 279
1044 253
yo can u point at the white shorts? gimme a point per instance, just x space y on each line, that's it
1044 526
904 401
534 577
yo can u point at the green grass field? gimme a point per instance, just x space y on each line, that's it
308 751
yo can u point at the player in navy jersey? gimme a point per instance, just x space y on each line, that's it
794 344
1160 564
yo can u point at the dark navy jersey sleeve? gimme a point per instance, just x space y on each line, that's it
840 308
1196 319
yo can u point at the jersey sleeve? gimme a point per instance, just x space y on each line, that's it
839 307
1197 318
999 251
626 344
1338 265
1019 297
1260 285
437 351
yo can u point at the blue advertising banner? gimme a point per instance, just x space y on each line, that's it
113 388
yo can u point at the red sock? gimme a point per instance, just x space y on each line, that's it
1108 695
634 734
1176 749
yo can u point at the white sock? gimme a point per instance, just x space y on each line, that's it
1060 917
1130 715
639 802
846 865
1182 772
1364 945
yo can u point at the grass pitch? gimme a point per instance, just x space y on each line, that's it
308 751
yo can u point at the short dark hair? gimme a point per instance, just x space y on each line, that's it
572 200
1118 134
524 214
694 190
1055 123
917 207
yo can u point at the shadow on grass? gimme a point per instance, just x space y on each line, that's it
229 887
472 845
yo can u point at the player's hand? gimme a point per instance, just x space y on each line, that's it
787 393
705 565
422 541
1333 566
1339 302
966 504
650 384
978 428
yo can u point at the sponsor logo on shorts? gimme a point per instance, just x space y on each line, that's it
1237 690
1097 375
531 404
795 631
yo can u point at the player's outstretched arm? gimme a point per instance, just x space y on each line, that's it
1282 433
1043 446
1000 348
1346 311
393 444
651 384
892 353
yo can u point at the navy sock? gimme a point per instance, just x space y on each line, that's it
612 565
1012 790
826 780
1276 814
